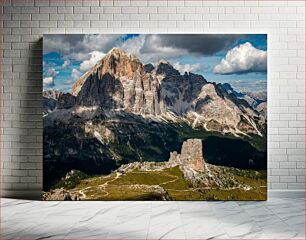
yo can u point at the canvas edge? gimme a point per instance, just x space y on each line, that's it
37 194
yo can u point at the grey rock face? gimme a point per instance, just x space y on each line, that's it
149 67
119 81
50 98
165 68
66 101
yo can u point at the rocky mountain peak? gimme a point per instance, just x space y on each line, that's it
163 61
115 50
165 68
116 62
118 53
228 88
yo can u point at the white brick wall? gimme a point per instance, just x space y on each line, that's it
24 22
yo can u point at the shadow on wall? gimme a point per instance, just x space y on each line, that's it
29 147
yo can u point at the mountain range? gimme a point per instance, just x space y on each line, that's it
120 82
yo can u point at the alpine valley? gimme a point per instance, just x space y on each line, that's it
134 131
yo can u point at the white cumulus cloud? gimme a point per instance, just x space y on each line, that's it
182 68
95 56
51 72
133 45
48 82
75 74
66 64
242 59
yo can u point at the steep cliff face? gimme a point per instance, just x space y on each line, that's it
177 92
216 110
119 81
191 156
116 63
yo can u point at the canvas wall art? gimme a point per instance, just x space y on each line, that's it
155 117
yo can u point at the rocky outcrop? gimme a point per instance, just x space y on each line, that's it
59 195
191 155
190 158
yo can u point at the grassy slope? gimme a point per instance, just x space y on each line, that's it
173 182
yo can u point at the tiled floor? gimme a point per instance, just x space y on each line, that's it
273 219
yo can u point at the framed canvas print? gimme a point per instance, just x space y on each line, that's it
155 117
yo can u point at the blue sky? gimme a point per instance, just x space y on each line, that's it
240 60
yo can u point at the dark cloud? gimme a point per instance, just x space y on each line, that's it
202 44
151 46
79 46
62 43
